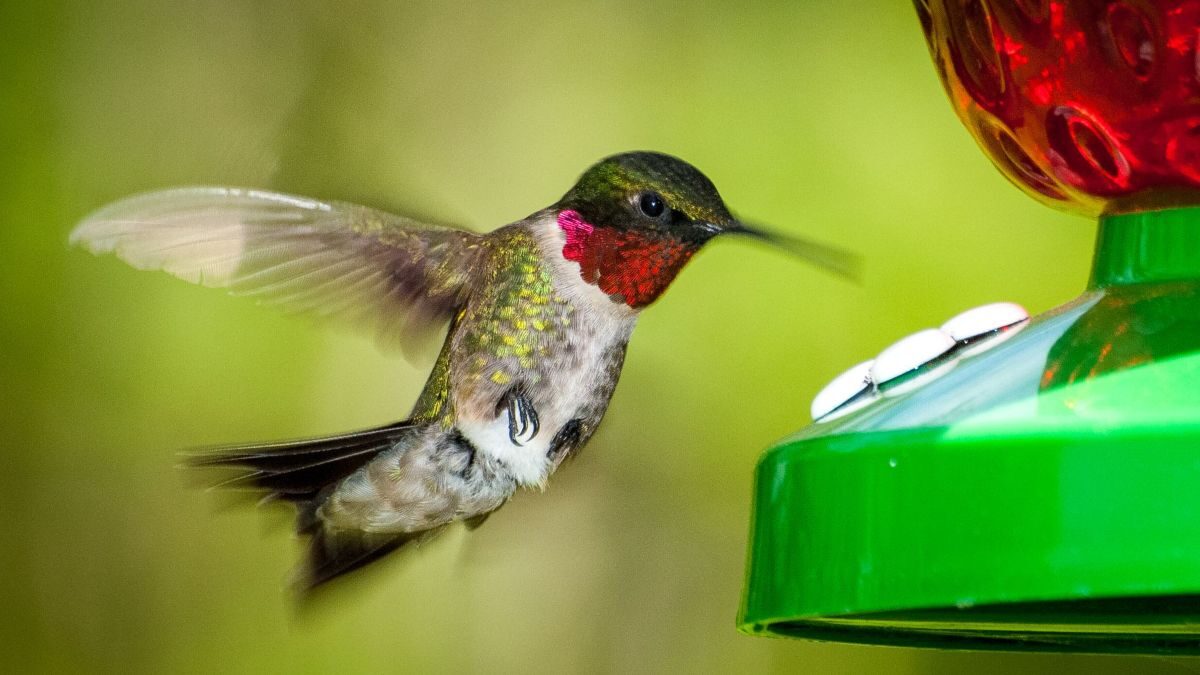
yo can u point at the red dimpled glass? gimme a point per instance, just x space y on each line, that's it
1089 106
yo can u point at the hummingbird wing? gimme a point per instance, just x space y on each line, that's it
377 271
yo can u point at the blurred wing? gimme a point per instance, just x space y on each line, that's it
372 269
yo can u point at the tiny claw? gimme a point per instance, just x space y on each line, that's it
523 423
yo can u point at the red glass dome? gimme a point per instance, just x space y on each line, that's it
1089 106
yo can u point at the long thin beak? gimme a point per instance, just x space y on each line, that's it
839 261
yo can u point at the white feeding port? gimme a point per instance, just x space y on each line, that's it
983 320
841 389
910 353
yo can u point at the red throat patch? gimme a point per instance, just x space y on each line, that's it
633 265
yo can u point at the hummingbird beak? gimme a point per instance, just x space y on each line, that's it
839 261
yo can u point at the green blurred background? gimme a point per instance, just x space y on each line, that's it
823 119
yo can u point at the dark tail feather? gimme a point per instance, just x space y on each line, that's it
334 553
297 471
304 472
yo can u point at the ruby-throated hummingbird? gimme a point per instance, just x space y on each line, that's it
540 312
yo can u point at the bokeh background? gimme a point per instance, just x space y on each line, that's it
823 119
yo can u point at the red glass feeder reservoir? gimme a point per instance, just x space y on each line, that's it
1088 106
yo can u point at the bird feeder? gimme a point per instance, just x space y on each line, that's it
1023 484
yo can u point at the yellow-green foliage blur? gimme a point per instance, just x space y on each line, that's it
823 119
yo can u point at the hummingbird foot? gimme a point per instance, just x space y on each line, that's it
523 425
565 440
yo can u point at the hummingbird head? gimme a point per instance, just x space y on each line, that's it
651 194
633 220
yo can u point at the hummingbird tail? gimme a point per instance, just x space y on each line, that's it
298 471
332 553
306 473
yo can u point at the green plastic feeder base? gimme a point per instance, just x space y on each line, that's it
1042 494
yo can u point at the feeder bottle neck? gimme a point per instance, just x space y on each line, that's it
1147 247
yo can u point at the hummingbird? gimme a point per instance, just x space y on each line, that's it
540 312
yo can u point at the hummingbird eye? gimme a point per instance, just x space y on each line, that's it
651 204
